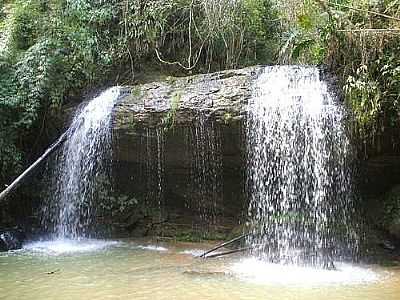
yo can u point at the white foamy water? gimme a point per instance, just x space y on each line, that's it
193 252
261 272
299 170
65 246
205 156
152 248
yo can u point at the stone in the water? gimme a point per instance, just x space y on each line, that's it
11 239
387 245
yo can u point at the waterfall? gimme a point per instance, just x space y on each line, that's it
205 156
298 170
154 168
81 167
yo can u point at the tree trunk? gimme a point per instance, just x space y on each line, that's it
223 245
228 252
20 178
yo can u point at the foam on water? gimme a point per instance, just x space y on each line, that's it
153 248
193 252
262 272
66 246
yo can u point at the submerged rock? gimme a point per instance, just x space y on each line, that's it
11 239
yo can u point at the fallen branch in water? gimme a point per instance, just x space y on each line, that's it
223 245
228 252
21 177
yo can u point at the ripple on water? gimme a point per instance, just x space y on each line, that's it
260 272
66 246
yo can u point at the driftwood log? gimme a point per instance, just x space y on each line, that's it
219 254
204 255
10 188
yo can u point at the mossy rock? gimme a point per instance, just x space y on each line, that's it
391 217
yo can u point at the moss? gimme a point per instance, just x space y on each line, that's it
196 236
136 91
169 120
170 79
227 118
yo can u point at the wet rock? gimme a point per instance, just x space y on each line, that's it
158 127
11 239
379 188
223 95
380 174
387 245
391 212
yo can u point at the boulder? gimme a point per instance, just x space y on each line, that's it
11 239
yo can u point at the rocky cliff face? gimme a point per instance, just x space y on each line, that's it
179 156
179 150
178 101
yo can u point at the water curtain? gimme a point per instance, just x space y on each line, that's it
298 170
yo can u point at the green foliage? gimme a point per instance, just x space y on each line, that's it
143 24
117 205
52 52
366 61
26 24
198 35
364 96
9 153
307 30
55 49
262 30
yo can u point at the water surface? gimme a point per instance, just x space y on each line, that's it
149 270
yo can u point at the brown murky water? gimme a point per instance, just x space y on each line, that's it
135 270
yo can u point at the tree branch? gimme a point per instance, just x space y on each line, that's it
21 177
363 10
372 30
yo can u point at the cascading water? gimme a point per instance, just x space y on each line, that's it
154 164
81 167
206 169
299 178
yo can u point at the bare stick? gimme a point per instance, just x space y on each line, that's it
21 177
372 30
223 245
364 10
228 252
